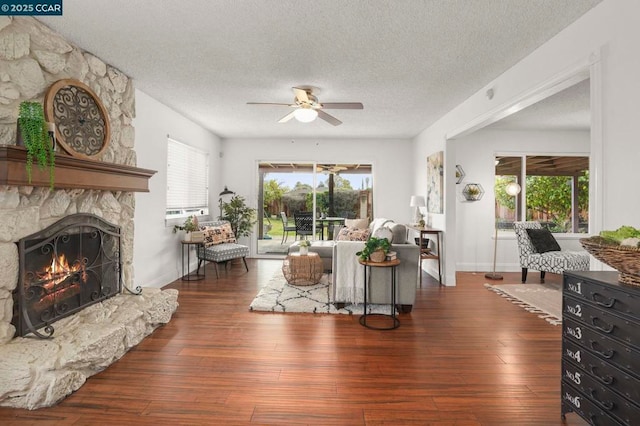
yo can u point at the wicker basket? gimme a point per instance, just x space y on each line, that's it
378 256
625 259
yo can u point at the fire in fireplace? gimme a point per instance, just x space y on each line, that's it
71 264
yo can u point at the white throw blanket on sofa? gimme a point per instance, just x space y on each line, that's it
348 273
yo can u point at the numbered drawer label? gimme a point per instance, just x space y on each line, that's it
610 350
577 358
607 297
605 322
572 400
603 395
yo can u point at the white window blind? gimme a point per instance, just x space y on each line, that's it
187 178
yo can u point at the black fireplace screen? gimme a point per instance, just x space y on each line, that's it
64 268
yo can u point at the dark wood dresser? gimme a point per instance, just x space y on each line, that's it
600 348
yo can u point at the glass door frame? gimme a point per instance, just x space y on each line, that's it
314 167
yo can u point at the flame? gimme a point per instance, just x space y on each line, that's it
59 270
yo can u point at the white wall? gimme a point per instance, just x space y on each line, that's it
474 220
610 29
157 251
391 160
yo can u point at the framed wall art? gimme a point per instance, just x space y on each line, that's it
435 182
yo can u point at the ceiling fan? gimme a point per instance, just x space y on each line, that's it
307 107
330 168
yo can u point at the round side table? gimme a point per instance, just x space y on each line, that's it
302 269
391 264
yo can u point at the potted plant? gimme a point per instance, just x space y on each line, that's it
375 250
190 224
304 247
240 216
34 133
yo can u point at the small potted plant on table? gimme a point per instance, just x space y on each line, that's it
304 247
189 225
375 250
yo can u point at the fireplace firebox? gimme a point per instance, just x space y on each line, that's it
64 268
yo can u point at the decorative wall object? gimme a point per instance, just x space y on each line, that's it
435 182
460 174
82 121
473 192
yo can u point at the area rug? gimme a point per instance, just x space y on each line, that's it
542 299
279 296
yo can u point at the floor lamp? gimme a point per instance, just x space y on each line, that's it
224 194
512 189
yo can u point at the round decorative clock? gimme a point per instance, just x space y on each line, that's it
82 122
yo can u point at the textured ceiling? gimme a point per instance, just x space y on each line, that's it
409 62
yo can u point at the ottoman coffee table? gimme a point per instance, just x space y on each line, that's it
302 269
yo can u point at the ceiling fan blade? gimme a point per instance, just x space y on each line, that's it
286 117
269 103
329 118
342 105
301 94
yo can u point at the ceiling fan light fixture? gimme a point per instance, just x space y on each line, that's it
305 115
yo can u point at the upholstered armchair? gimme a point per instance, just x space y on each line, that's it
555 261
220 245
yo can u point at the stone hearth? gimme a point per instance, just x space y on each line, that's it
38 373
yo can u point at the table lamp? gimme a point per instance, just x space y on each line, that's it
417 201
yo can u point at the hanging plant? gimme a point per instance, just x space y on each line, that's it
35 137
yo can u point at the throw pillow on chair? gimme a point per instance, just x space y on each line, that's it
543 240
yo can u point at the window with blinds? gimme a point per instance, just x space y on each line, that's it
187 180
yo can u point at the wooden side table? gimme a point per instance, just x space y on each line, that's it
299 269
386 264
427 253
186 276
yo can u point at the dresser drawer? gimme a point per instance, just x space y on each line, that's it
614 404
612 297
605 373
573 400
604 347
602 320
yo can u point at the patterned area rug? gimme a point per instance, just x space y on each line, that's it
542 299
279 296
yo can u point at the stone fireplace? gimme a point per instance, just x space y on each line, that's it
71 264
39 372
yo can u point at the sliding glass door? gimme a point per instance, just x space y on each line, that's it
328 193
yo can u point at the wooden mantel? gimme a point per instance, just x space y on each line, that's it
72 173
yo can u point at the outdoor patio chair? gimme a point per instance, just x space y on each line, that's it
286 228
304 224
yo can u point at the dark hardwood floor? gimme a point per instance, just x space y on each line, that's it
464 356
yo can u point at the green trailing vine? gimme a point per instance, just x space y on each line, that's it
33 128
